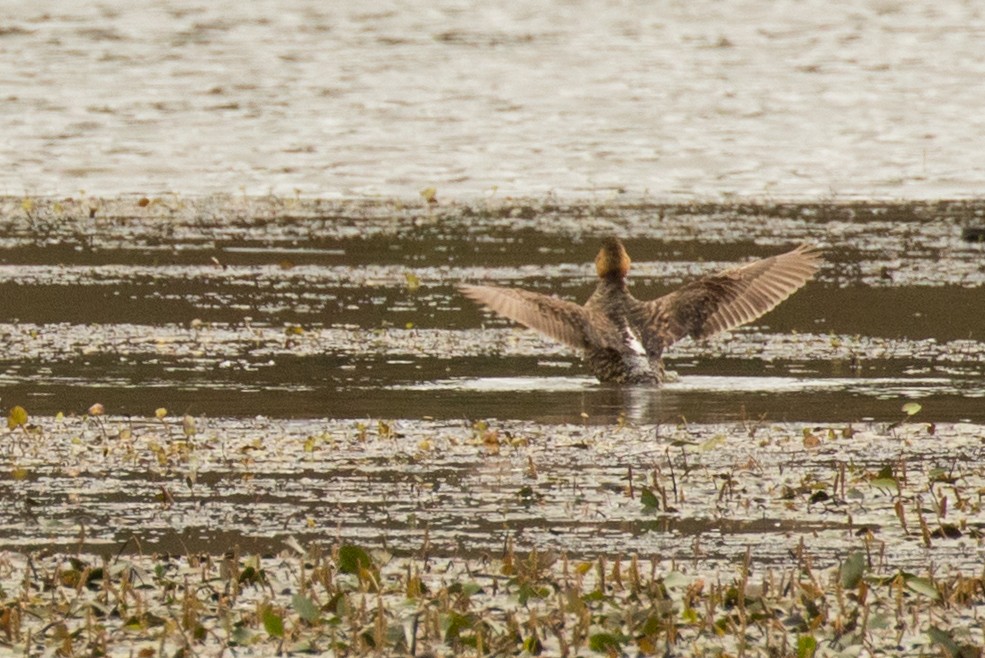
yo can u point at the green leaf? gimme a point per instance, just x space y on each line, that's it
605 643
649 499
653 625
250 576
806 646
467 589
528 591
353 558
889 484
852 570
242 636
911 408
921 586
677 580
713 443
273 623
533 646
305 608
455 623
944 640
17 417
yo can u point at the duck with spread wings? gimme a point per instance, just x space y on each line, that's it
623 338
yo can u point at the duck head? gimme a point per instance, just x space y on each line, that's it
612 261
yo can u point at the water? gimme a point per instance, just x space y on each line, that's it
340 388
866 99
230 307
138 308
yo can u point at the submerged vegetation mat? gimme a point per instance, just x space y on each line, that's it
720 540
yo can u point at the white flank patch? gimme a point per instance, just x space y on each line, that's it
632 341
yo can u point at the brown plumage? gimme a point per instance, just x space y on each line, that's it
623 338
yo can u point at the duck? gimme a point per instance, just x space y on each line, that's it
622 339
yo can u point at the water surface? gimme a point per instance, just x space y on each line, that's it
686 100
340 388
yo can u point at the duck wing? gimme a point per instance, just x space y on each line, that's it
564 321
726 300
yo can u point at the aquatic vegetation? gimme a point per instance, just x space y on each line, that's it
344 599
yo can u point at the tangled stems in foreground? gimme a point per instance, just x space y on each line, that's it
353 602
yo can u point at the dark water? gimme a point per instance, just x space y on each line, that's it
289 330
351 312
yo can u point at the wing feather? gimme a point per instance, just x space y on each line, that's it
726 300
559 319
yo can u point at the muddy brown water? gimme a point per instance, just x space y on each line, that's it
342 389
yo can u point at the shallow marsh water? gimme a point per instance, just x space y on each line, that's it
342 390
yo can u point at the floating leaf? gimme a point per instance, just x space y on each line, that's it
714 442
528 591
353 558
911 408
806 646
455 623
852 570
944 640
890 484
676 579
947 531
820 496
605 643
533 646
471 588
17 417
305 608
649 499
242 635
273 623
921 586
251 576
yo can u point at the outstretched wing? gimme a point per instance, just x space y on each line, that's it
726 300
562 320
